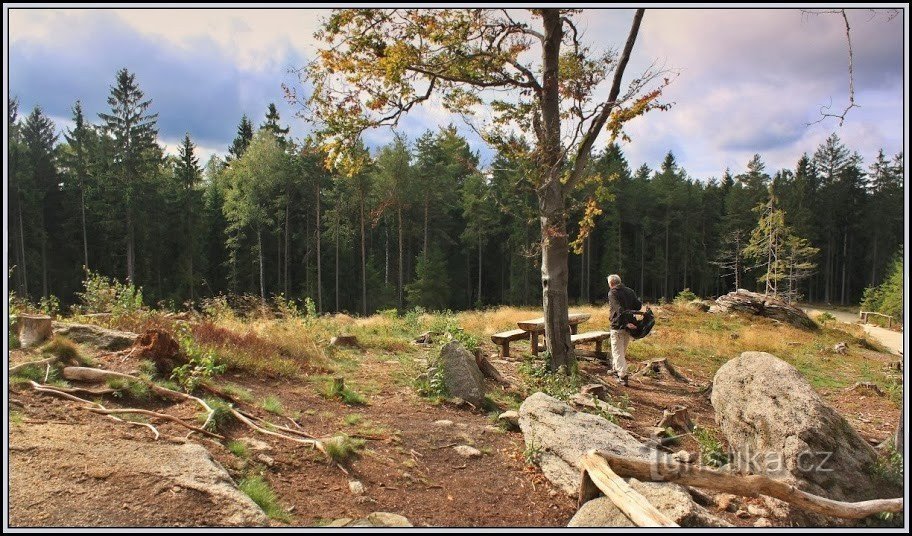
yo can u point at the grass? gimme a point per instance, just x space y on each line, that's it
712 452
135 390
353 419
238 448
221 415
336 390
273 405
67 351
343 447
263 495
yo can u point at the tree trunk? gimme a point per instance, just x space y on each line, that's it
479 269
337 259
845 262
665 280
642 262
130 248
85 240
262 273
399 211
555 253
363 262
287 239
319 259
22 251
427 201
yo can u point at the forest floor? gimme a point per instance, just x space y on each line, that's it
407 465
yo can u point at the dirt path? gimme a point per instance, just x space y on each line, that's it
67 474
892 340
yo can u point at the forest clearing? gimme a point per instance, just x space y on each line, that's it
399 435
456 267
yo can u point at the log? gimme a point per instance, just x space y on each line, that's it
744 485
34 329
487 368
597 475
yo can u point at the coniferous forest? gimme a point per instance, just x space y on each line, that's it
424 223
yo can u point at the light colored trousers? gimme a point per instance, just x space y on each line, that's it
620 338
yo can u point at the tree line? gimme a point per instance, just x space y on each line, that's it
421 222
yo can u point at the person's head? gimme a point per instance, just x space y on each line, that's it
614 280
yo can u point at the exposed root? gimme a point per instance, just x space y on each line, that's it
653 367
92 406
40 363
315 443
165 416
88 374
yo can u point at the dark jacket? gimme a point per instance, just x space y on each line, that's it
620 300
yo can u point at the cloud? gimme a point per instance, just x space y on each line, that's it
750 79
196 86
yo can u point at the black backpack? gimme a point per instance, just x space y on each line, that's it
643 325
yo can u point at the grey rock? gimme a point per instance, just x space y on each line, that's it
96 336
744 301
461 375
841 348
356 487
467 452
443 423
685 457
670 499
264 459
563 435
763 522
511 418
379 519
777 425
255 444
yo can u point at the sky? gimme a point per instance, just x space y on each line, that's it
749 81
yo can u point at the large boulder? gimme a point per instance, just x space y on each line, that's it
560 436
776 424
461 375
96 336
670 499
745 301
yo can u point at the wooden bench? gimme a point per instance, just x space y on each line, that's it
591 336
504 339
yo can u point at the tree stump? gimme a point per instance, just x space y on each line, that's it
34 329
676 418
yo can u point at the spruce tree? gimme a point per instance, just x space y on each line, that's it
78 161
242 140
134 132
189 174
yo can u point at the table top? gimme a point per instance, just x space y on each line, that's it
538 324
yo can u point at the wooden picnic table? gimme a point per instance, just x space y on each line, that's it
536 327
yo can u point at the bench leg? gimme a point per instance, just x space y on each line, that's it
598 350
574 328
533 340
505 349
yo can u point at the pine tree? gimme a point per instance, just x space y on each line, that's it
134 132
431 285
77 159
38 134
767 244
189 174
242 140
798 265
272 125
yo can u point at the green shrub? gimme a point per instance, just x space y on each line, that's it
888 297
823 318
259 491
222 415
539 377
339 391
104 295
685 296
711 450
134 389
202 362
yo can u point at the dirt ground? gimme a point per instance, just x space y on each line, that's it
408 465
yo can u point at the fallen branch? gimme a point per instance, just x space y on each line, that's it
745 485
597 475
315 443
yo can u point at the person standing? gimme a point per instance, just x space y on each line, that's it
621 300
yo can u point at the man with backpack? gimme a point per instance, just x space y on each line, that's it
622 303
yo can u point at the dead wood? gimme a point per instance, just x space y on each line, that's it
676 418
598 476
39 363
487 368
670 470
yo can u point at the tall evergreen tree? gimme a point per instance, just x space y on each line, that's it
134 132
189 174
242 140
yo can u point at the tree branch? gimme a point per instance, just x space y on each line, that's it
585 148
